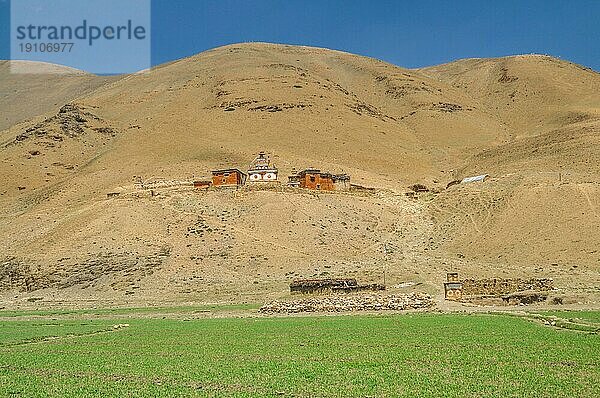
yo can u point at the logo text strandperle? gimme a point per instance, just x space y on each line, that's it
82 32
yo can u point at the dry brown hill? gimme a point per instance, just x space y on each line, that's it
39 88
541 207
552 106
530 93
387 126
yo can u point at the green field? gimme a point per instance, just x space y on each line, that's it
576 316
134 310
335 356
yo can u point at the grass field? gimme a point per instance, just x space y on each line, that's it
134 310
585 316
337 356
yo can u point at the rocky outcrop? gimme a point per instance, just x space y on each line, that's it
21 275
71 121
125 269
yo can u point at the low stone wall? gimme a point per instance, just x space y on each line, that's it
331 285
373 287
371 302
500 286
321 285
166 184
524 298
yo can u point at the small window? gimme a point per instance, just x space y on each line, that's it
318 186
312 178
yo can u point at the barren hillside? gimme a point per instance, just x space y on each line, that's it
532 94
40 88
527 121
542 205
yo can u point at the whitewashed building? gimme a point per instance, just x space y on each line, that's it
261 170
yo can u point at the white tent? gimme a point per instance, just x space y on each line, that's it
480 178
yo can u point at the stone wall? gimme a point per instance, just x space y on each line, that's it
332 285
500 286
371 302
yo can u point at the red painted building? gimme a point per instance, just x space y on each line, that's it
315 179
319 180
228 177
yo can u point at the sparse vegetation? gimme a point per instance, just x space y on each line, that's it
419 188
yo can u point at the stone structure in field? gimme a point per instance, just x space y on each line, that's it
510 290
453 288
500 286
331 285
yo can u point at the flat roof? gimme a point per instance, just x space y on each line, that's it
262 171
227 170
315 171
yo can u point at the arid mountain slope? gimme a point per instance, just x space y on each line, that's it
532 221
40 88
532 94
541 205
387 126
307 105
552 106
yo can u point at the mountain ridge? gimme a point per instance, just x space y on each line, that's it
389 127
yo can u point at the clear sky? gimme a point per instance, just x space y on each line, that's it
406 33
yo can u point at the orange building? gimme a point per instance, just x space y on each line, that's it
316 179
228 177
319 180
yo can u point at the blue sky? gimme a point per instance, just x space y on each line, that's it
406 33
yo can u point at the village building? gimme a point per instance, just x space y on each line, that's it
319 180
341 182
294 179
453 291
331 285
479 178
138 183
453 288
316 179
228 178
261 170
203 184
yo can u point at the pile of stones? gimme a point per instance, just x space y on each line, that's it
338 303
